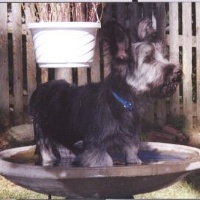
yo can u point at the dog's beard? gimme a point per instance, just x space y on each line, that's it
169 88
166 89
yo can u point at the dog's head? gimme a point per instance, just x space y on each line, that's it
153 72
144 64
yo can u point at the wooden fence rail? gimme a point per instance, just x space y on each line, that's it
20 75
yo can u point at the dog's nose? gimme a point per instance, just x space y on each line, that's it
178 75
178 72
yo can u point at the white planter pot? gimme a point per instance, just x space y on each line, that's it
64 44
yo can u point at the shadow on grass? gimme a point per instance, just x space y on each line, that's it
194 180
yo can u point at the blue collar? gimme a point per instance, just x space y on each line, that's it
126 104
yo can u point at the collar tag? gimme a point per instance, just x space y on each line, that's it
126 104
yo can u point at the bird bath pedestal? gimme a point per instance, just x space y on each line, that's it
163 165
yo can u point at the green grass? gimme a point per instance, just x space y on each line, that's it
180 190
9 190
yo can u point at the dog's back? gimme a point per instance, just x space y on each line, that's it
59 108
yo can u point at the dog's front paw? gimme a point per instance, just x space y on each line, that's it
131 152
133 161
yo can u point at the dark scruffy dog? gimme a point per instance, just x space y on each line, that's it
94 119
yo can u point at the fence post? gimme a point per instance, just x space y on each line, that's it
4 85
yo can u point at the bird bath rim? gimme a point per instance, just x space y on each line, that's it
189 160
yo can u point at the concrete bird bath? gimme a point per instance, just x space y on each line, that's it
164 164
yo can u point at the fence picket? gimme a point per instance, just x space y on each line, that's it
174 51
198 57
4 86
82 76
187 61
108 14
82 72
147 9
134 16
64 73
95 67
44 75
17 63
161 103
31 63
160 19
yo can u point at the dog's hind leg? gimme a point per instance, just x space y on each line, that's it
95 158
45 148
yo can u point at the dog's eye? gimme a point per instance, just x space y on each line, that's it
148 59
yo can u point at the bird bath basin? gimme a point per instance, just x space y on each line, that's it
163 165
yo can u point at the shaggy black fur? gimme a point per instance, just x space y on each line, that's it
89 120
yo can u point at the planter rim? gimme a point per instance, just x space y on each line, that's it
41 25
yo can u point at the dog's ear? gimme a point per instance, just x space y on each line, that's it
116 39
145 31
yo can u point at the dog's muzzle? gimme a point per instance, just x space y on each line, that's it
169 87
177 76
